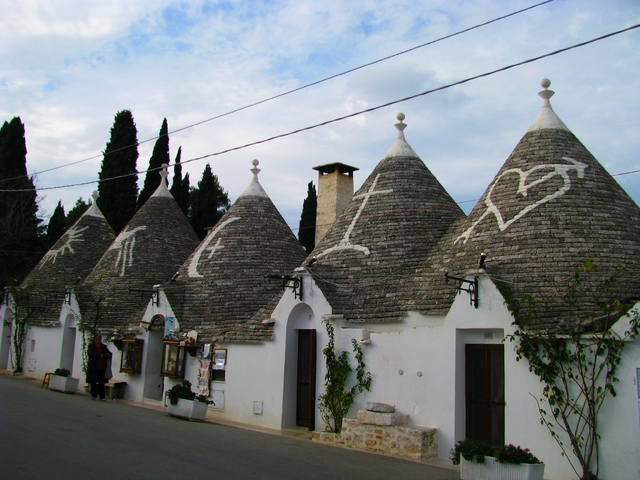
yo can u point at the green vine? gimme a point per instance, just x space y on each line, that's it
576 365
335 402
23 310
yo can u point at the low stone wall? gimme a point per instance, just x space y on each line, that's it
413 443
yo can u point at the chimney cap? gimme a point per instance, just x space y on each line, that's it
332 167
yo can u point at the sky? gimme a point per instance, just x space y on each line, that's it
68 66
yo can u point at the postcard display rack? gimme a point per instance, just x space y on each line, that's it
204 371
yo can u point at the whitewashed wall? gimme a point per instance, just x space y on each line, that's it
418 365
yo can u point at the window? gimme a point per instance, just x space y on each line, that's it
131 359
173 356
219 364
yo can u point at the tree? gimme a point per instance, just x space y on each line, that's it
159 157
307 230
56 227
118 185
209 202
577 364
76 212
336 400
180 186
20 228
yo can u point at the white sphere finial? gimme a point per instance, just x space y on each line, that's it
255 170
546 94
400 125
164 172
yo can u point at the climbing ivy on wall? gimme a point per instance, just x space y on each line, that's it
576 361
336 400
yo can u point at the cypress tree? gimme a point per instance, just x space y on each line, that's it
307 230
180 186
117 198
56 226
209 202
20 228
159 157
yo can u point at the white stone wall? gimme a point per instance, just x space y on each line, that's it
417 365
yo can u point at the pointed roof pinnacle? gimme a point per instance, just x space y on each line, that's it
254 187
162 190
93 210
401 148
547 118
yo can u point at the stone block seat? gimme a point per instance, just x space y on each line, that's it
112 390
380 429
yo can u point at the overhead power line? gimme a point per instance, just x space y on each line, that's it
361 112
317 82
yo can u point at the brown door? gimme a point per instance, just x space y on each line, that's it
306 390
485 393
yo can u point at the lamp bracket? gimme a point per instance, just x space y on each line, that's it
472 289
288 281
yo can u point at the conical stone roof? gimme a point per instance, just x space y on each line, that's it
66 264
147 252
385 233
551 207
221 285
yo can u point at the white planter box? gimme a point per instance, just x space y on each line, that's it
491 469
63 384
190 409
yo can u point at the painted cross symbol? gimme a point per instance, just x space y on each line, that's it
193 265
344 244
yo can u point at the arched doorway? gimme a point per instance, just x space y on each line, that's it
299 406
68 343
153 381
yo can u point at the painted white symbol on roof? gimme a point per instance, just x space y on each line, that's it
73 235
125 243
344 243
559 169
193 265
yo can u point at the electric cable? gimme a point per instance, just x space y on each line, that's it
360 112
317 82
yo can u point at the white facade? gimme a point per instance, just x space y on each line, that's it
418 365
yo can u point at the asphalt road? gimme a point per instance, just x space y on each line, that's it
48 435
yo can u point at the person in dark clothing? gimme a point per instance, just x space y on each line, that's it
99 355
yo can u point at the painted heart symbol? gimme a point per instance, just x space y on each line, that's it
542 174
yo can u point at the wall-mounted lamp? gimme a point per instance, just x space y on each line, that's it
472 290
155 296
294 283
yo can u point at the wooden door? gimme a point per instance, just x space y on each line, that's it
485 393
306 379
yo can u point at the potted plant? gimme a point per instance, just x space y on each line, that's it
480 461
61 381
184 403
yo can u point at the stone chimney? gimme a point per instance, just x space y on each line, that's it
335 190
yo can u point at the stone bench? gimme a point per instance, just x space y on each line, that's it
112 390
382 430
